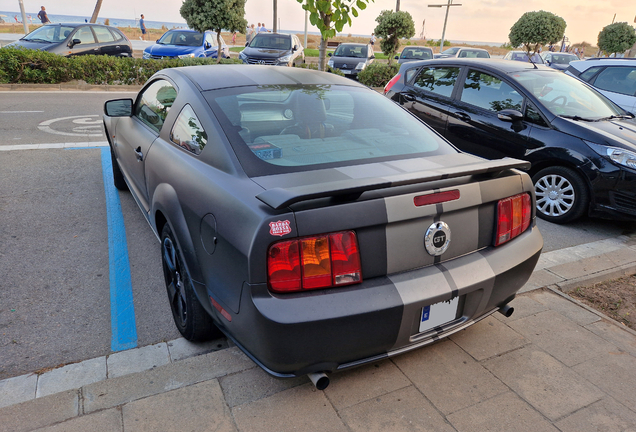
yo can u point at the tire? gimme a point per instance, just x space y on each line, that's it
562 195
192 321
118 177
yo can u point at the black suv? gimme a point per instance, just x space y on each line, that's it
274 49
77 39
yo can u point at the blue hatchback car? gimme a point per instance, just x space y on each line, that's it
186 43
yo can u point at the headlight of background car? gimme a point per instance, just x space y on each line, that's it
242 56
617 155
361 66
330 63
186 55
146 55
285 59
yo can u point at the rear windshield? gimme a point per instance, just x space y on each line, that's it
417 53
277 129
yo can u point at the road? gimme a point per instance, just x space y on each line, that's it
57 239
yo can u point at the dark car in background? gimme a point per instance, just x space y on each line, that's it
462 52
72 39
351 58
179 43
414 53
316 237
614 77
275 49
522 56
558 60
581 145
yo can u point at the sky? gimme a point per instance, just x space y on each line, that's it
474 20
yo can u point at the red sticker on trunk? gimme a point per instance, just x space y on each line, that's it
279 228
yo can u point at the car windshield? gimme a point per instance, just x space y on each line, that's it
351 51
271 42
451 51
416 53
49 33
181 38
276 129
566 96
521 56
563 58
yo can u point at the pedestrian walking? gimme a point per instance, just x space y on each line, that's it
262 28
43 16
142 26
372 40
251 31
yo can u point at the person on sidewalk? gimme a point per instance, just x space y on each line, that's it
142 25
372 40
43 16
251 32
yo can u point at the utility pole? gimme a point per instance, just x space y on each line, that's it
275 29
447 6
24 18
397 6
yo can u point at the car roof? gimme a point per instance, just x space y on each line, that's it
352 44
496 65
272 34
78 24
214 77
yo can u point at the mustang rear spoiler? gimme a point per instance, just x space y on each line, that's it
279 198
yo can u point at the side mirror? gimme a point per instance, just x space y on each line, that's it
372 56
247 43
509 115
329 54
397 57
74 42
207 45
295 48
118 108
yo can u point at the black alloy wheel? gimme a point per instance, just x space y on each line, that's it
562 195
192 321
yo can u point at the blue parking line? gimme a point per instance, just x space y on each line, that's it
122 309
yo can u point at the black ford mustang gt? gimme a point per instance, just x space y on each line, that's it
313 221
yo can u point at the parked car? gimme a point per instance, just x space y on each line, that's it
275 49
413 53
351 58
315 236
523 56
615 78
581 145
72 39
462 52
558 60
180 43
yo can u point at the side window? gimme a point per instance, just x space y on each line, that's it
103 35
588 74
620 79
85 35
210 39
489 92
154 103
439 80
532 115
116 34
187 131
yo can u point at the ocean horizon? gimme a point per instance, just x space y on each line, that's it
123 22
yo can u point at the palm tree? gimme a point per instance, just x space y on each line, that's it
98 6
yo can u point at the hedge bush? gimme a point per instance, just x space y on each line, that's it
22 66
378 74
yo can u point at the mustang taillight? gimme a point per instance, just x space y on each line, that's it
513 217
390 84
314 262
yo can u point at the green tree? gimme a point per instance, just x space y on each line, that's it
330 16
535 29
217 15
617 37
393 26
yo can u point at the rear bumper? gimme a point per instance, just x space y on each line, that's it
336 329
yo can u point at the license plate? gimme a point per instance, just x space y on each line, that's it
346 72
438 314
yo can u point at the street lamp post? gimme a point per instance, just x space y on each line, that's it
447 6
24 18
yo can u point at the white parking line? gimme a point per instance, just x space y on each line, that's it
46 146
19 112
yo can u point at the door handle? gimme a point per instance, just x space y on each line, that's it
408 97
462 116
139 153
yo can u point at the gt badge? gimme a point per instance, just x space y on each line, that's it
437 238
279 228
